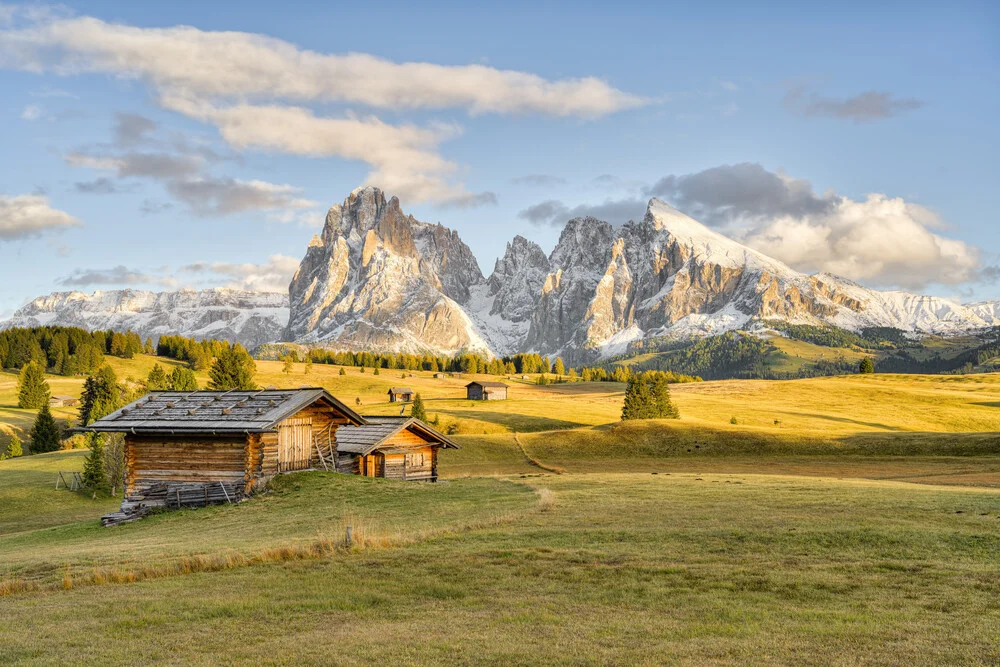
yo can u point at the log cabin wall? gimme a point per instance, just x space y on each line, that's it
153 460
409 457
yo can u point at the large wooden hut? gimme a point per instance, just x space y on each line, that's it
391 447
486 391
194 448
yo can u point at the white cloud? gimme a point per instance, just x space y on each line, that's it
881 240
233 81
238 64
24 216
272 276
33 112
118 275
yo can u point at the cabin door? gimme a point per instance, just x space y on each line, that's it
294 443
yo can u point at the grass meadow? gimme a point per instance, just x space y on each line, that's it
838 521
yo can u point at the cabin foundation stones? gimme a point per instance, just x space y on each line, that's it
192 449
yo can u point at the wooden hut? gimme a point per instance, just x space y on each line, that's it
63 401
486 391
195 448
400 395
392 447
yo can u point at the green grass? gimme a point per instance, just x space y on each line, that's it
863 526
622 569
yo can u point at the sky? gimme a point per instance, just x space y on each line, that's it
192 145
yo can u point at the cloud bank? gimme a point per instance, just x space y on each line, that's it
253 87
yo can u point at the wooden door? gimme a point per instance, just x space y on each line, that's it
294 443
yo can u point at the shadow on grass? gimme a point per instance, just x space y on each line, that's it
846 420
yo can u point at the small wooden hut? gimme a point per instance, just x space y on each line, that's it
392 447
63 401
199 447
400 395
486 391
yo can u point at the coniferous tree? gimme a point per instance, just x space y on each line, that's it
33 391
101 396
93 465
157 379
559 368
148 347
287 366
866 366
342 371
309 366
660 390
114 461
418 411
45 433
183 379
233 369
638 400
14 448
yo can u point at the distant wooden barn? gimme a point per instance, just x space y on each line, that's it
200 447
63 401
400 395
392 447
486 391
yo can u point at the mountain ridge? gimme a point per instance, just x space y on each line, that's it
377 279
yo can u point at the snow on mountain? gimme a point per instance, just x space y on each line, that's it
379 280
249 318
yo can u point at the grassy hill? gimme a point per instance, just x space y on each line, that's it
850 519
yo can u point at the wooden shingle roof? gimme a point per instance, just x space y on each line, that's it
215 412
367 438
400 390
487 383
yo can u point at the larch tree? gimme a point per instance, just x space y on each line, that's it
157 379
866 366
183 379
32 391
233 369
559 368
418 411
93 465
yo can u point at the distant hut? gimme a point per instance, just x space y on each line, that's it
391 447
486 391
63 402
201 447
400 395
439 376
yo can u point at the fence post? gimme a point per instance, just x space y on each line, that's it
348 537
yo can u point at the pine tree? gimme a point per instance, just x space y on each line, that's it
342 371
638 400
33 391
309 366
14 448
102 395
866 366
183 379
45 433
559 368
148 347
660 390
93 465
233 369
418 411
157 379
375 372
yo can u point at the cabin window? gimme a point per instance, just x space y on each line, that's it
414 460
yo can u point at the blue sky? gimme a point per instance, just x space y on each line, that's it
848 138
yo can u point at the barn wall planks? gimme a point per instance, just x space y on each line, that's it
149 460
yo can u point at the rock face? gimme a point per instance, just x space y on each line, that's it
377 279
249 318
668 275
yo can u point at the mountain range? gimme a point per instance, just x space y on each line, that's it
377 279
